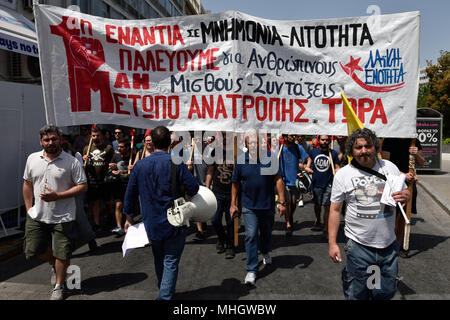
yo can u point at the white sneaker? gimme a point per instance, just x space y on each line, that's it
300 203
57 294
267 259
250 278
53 277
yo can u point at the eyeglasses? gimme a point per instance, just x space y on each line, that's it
117 132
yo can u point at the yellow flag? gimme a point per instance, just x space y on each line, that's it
353 121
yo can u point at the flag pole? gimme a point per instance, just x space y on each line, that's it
89 148
412 169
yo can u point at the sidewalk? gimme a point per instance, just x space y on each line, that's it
437 184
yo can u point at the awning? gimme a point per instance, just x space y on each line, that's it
17 33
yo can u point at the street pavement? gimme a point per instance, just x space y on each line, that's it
301 268
436 183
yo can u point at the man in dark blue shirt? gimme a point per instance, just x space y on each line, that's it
258 205
325 163
150 181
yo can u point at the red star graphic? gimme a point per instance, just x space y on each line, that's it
353 65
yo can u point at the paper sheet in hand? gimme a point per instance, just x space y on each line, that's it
136 237
393 184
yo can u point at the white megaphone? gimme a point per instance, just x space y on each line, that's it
200 208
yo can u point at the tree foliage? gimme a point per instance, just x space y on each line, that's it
437 95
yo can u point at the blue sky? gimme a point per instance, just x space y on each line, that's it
434 21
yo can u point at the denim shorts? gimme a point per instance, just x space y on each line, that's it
370 273
291 193
322 196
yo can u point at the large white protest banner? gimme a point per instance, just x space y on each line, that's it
230 71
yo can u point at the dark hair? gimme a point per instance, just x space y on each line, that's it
161 137
105 131
50 128
125 141
96 129
364 133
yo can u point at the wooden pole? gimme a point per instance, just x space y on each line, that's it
412 169
144 151
192 150
331 161
235 216
89 148
131 149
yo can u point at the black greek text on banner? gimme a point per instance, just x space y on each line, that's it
230 71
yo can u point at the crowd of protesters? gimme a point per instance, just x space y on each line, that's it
305 168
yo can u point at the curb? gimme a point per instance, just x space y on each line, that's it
441 201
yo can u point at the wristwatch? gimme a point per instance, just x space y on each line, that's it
283 203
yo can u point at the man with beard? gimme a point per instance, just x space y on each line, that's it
53 177
322 179
119 168
99 157
369 224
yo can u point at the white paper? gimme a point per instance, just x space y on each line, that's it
136 237
393 184
32 212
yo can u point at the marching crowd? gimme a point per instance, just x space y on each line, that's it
102 181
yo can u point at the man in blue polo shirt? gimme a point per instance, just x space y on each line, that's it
292 158
150 181
258 205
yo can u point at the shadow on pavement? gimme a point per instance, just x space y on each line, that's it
17 265
419 243
109 247
229 289
404 290
108 283
285 262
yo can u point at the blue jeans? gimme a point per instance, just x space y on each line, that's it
225 235
167 255
255 220
355 275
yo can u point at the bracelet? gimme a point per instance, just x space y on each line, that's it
283 203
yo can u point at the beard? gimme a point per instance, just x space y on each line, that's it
365 158
52 149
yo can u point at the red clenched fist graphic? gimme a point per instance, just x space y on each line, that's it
87 52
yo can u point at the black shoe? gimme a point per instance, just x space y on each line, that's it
289 232
229 253
199 236
92 246
220 247
96 228
403 253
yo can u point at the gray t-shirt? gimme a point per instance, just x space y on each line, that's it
367 221
61 174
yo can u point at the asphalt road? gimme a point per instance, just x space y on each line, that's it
301 268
